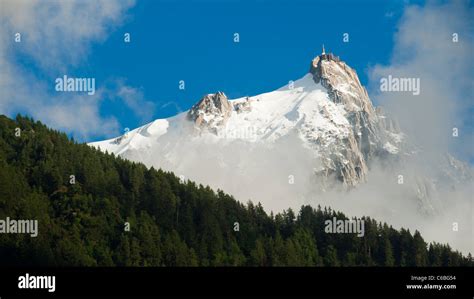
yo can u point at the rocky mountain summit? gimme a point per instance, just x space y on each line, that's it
328 109
325 118
372 133
358 133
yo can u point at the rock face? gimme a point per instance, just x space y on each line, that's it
372 133
211 112
325 121
243 106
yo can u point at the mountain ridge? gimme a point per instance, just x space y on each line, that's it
328 108
324 125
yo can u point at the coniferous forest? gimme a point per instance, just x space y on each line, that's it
170 223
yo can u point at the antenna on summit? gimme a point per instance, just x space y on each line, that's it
324 52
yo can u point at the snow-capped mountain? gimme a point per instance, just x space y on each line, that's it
327 108
322 125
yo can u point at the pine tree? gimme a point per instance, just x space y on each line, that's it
331 258
388 259
279 253
258 255
308 249
419 246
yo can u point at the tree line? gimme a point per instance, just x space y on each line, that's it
97 209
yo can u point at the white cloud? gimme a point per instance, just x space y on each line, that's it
58 33
56 36
135 100
423 48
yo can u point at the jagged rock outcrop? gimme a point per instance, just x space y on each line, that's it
372 133
211 112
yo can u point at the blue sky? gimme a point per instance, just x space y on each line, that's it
174 40
193 41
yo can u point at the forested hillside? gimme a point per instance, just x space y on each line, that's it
82 219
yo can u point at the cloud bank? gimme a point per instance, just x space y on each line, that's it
56 37
435 44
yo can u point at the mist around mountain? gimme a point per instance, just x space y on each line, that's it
318 140
97 209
